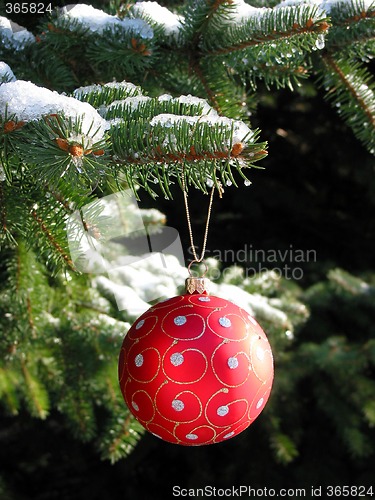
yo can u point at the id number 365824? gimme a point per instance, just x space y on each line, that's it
28 8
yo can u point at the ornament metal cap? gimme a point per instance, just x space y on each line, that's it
197 284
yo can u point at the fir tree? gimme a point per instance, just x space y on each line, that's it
147 98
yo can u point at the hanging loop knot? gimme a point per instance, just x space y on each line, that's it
197 261
197 284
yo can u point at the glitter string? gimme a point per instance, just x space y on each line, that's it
196 258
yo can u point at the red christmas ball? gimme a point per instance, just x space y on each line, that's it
196 369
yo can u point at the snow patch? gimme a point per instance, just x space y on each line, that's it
127 299
2 174
171 22
168 120
324 5
126 87
28 102
97 21
13 36
6 74
241 132
129 103
190 100
241 12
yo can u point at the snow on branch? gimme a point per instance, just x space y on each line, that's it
6 74
97 21
13 36
114 126
171 23
28 102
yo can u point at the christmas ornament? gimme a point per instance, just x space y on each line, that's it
196 369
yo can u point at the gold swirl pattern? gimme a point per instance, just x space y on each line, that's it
122 365
206 301
185 366
160 431
195 369
230 366
195 436
167 303
232 325
261 358
143 405
185 404
259 400
223 411
253 324
143 365
232 431
144 326
191 326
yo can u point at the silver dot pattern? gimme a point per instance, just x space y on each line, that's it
178 405
138 360
177 359
191 436
180 320
222 411
135 406
233 363
139 324
225 322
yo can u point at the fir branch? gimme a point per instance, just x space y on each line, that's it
27 283
63 202
121 54
353 18
351 34
346 13
3 210
30 317
36 395
8 383
270 37
195 66
199 15
209 148
281 76
120 437
98 95
284 448
300 25
180 157
124 433
58 153
79 412
351 89
43 225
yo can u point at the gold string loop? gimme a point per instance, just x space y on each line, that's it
196 258
197 262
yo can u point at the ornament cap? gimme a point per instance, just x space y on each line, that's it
197 285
